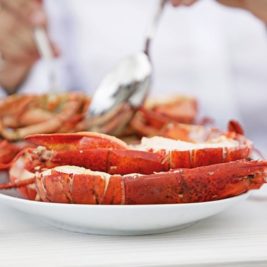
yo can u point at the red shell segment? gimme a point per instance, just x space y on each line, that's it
179 186
83 140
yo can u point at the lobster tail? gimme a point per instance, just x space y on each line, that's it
69 184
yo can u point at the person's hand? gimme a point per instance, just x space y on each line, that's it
18 51
183 2
256 7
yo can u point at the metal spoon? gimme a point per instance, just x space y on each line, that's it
46 53
125 88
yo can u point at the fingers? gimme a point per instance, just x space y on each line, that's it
18 51
233 3
27 11
257 8
183 2
16 40
17 20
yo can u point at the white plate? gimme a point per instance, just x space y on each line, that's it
120 220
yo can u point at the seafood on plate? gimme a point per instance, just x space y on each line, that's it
23 115
156 115
92 168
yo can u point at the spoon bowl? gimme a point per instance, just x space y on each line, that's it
128 81
124 89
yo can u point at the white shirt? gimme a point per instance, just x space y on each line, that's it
215 53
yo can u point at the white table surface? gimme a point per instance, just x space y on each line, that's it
236 237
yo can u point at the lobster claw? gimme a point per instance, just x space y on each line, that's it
82 140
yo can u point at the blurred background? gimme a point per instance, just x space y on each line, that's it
212 52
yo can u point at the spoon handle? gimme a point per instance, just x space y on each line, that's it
153 27
46 53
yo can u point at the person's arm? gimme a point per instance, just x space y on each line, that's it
17 47
256 7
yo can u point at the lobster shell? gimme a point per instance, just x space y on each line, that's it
89 168
67 185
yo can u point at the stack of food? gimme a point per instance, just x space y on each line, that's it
174 161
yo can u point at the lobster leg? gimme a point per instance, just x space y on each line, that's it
17 183
7 152
22 172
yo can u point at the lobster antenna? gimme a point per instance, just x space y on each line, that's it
17 184
259 153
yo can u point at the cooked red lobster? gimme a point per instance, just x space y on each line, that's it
23 115
90 168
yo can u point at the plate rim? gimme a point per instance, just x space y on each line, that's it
121 206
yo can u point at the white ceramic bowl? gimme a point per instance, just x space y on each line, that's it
120 220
